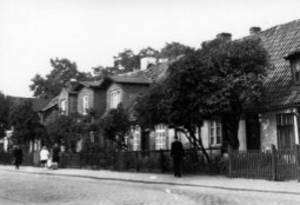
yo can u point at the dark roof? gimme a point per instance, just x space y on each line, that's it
150 75
131 78
37 103
91 83
281 41
53 102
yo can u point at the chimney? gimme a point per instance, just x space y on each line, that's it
146 62
254 30
224 36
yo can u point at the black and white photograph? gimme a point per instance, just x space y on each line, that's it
149 102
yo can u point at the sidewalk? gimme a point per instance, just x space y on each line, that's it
204 181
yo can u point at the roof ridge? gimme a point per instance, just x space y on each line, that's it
276 27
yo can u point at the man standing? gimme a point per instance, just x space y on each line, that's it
18 156
55 156
177 153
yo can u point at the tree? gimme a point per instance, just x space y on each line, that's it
115 126
173 50
4 108
148 52
25 121
65 130
126 61
223 78
238 69
179 100
63 71
150 108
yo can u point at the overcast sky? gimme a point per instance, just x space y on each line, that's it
91 32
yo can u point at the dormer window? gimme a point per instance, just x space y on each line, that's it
85 105
115 98
296 70
63 105
294 59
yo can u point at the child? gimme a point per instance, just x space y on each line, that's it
44 155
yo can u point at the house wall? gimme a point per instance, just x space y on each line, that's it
242 135
268 130
129 92
63 95
50 115
100 101
90 93
205 134
111 88
72 105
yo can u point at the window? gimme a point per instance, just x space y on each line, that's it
295 63
215 131
85 106
63 105
160 137
115 98
285 130
136 133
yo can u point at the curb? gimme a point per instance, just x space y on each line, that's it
156 182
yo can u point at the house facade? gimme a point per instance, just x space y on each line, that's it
275 122
279 118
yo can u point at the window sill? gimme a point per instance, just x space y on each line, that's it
215 146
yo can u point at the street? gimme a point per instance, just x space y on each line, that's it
23 188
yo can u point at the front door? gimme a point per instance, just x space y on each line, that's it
285 130
252 132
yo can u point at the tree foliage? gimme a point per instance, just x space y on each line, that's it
63 71
238 71
223 79
65 130
26 123
126 61
173 50
179 101
115 126
4 111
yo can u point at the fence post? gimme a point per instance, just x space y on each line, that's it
137 161
297 156
274 163
229 161
162 160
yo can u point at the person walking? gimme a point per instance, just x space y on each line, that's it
55 156
177 152
18 156
44 155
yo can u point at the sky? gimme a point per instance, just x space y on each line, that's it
91 32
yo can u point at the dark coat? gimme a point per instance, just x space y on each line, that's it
18 155
177 150
55 154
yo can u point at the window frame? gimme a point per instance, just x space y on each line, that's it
85 104
295 64
160 137
115 94
63 107
136 137
215 132
285 130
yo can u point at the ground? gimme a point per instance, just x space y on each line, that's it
27 188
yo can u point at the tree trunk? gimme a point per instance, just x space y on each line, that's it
199 144
230 125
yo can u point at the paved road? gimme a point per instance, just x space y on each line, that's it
21 188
